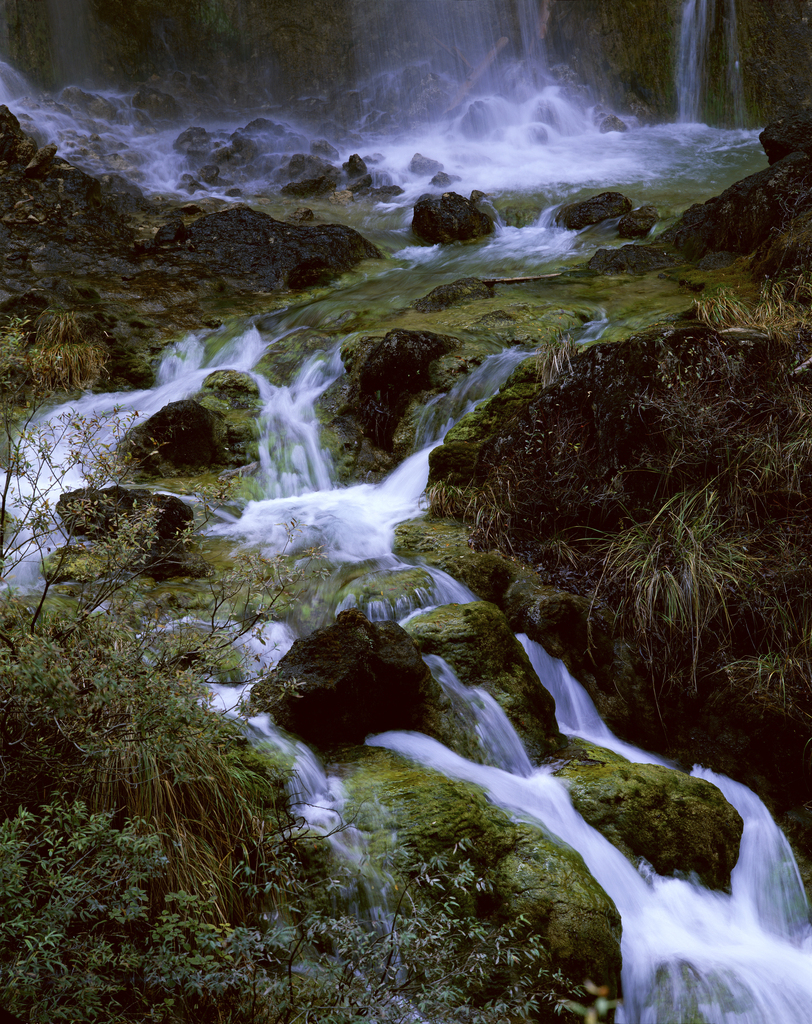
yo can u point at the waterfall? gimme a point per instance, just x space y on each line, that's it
709 79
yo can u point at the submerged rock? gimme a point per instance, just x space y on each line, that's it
631 259
593 211
449 218
679 824
465 289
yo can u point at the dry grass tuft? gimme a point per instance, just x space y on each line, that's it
69 355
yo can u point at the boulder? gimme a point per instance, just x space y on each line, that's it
157 104
479 120
631 259
354 167
465 289
257 252
308 188
238 390
15 146
679 824
612 123
181 439
395 368
789 134
449 218
193 142
310 165
593 211
530 879
154 543
477 642
424 165
638 223
443 180
341 683
745 215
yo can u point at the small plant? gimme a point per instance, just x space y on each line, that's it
70 354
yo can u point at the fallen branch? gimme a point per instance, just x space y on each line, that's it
518 280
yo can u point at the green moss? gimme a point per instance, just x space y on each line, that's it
476 640
677 823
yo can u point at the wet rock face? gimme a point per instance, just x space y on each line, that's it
785 135
255 251
342 683
449 218
677 823
15 146
476 640
593 211
745 215
631 259
183 437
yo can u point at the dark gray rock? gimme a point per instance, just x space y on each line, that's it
183 438
449 218
593 211
638 223
789 134
612 123
420 164
631 259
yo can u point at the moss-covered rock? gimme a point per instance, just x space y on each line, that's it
678 823
238 390
476 640
530 878
286 356
454 462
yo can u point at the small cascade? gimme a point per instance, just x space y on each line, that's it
709 60
688 953
292 459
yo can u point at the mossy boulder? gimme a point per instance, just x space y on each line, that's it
385 594
678 823
531 878
455 461
283 360
430 536
237 390
182 438
476 640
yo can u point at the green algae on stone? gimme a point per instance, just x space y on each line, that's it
530 877
430 536
395 593
676 822
238 390
476 640
286 356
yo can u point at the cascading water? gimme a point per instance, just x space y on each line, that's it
688 954
702 38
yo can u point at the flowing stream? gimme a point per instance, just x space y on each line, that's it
689 954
